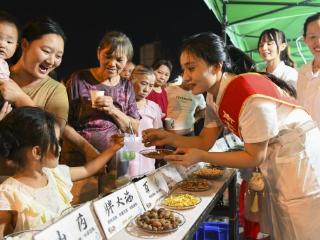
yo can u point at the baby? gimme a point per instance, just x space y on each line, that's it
9 35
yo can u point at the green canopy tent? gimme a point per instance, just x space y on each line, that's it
243 21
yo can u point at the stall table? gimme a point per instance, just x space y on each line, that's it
194 217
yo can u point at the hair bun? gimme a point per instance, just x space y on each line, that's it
8 142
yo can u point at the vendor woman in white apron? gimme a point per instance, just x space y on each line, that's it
280 137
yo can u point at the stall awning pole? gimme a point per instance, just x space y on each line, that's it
224 20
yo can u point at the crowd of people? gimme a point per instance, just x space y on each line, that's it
273 111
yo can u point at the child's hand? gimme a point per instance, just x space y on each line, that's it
117 141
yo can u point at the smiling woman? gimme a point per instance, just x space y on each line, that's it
42 50
115 110
30 84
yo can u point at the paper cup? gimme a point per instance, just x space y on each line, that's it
94 94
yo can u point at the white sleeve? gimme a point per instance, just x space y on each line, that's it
6 199
259 122
201 103
64 170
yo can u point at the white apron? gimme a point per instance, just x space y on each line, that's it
291 202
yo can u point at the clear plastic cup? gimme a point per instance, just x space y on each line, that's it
129 151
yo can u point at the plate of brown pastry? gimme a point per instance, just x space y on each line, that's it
159 221
210 172
156 153
195 185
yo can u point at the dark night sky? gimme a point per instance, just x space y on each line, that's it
167 21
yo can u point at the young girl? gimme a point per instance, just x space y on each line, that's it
273 48
143 79
162 69
309 74
279 136
40 188
9 36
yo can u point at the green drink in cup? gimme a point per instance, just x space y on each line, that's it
129 155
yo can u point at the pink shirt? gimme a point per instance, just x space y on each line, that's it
150 118
4 69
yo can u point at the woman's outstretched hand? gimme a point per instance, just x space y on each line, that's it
157 137
186 156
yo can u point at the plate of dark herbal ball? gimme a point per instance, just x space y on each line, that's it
156 153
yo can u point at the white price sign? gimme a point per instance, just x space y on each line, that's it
116 210
171 175
149 192
194 168
79 224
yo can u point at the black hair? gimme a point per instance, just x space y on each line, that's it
27 127
211 48
273 34
39 26
310 19
239 62
116 39
6 17
282 84
159 62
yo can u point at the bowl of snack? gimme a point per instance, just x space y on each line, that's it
159 221
181 201
210 172
195 185
156 153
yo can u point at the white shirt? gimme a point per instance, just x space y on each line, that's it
309 91
286 73
182 106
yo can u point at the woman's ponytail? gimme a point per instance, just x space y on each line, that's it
239 62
